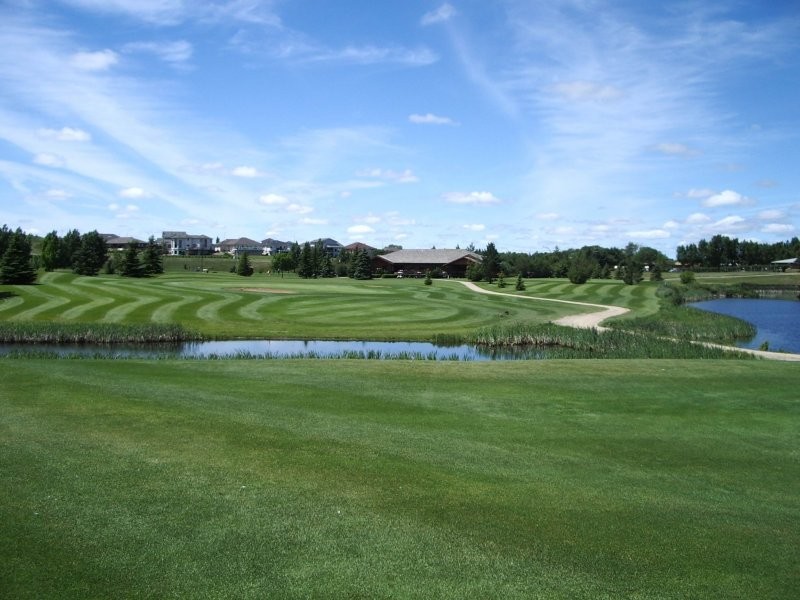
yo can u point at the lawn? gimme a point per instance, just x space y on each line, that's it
399 479
271 307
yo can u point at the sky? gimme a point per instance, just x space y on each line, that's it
533 124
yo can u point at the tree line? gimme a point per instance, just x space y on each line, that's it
721 252
83 254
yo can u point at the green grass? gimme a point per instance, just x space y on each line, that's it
367 479
228 306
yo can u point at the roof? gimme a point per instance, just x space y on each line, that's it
123 240
359 246
182 235
242 241
787 261
273 243
430 257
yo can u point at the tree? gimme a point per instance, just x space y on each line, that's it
283 262
15 263
631 268
70 244
362 266
491 263
501 280
428 280
581 268
50 250
130 265
520 285
152 258
305 266
91 256
243 266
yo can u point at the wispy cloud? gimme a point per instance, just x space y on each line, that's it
94 61
444 13
175 53
65 134
431 119
475 198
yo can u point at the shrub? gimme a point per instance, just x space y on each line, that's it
687 277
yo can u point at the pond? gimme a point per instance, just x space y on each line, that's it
777 321
286 349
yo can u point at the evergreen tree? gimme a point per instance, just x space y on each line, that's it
15 263
362 266
5 238
70 244
631 268
305 265
91 256
130 266
326 270
51 246
243 266
501 280
152 258
428 280
520 285
491 263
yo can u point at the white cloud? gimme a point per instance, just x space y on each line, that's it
431 119
697 218
48 160
65 134
674 149
650 234
310 221
726 198
359 229
475 227
94 61
444 13
777 228
405 176
132 192
771 215
671 225
57 194
171 52
730 223
587 91
548 216
272 199
471 198
299 209
700 193
245 171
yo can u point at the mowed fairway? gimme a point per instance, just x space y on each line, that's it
399 479
225 305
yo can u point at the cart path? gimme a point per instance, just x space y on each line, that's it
583 320
593 320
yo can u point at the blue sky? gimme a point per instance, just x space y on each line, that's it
532 124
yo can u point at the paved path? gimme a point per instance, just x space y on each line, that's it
593 320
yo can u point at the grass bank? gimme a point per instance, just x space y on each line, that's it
295 479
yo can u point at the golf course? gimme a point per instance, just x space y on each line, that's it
341 478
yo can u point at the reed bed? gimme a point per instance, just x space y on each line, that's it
93 333
567 342
687 323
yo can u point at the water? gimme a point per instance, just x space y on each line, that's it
286 348
777 321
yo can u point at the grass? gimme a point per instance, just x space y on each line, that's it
91 333
224 305
370 479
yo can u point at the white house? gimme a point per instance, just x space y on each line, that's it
177 243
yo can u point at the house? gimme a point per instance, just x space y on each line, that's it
121 243
177 243
329 246
241 244
786 263
270 246
416 262
359 246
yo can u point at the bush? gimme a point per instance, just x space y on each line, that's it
687 277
